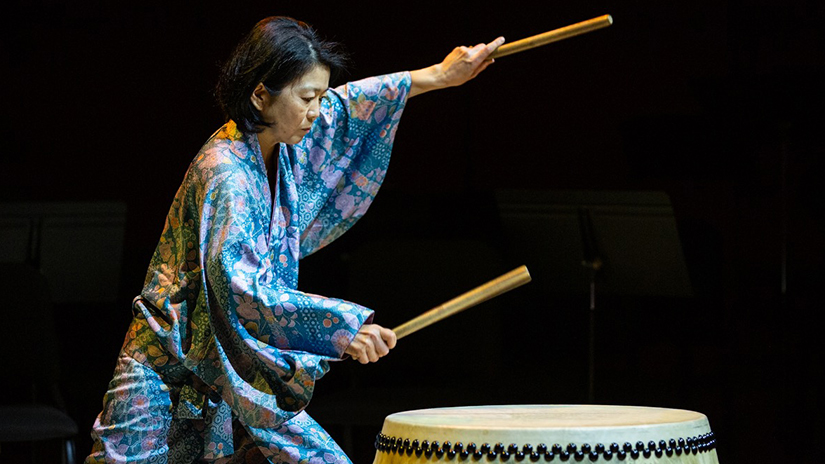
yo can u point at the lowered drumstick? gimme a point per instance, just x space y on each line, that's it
515 278
552 36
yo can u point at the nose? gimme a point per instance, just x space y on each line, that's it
314 110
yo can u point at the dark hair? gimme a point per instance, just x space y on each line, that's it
276 52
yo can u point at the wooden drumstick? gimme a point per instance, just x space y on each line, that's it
493 288
552 36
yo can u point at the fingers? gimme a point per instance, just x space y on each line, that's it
371 343
482 51
480 68
389 337
492 46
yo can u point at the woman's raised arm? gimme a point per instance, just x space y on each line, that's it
461 65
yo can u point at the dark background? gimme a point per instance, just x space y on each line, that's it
716 103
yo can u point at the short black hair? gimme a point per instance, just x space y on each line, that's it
276 52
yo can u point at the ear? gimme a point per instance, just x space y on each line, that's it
260 97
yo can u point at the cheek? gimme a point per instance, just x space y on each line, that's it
294 115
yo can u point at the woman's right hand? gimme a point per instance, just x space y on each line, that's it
371 343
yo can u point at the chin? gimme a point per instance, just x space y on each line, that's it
296 139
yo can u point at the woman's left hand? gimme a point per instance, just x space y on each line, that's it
461 65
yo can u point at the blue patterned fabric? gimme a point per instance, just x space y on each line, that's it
224 351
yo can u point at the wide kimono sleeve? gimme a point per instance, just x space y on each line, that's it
271 341
341 164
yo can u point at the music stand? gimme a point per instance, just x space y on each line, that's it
609 242
78 246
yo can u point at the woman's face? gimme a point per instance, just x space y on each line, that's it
295 109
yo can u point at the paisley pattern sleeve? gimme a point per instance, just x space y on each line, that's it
271 339
341 164
269 342
243 281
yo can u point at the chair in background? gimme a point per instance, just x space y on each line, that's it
31 404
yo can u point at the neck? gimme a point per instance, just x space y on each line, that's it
267 146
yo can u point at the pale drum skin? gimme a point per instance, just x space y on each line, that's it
549 425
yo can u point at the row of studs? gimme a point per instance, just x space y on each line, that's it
692 445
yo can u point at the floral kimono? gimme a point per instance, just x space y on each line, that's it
223 351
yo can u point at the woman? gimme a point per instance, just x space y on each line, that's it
223 351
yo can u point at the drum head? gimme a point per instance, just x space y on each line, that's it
598 431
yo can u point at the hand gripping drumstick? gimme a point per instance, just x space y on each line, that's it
552 36
493 288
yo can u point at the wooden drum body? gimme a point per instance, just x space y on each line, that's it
546 433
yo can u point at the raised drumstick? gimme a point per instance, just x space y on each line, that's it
493 288
552 36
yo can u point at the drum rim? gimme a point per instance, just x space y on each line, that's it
687 414
705 443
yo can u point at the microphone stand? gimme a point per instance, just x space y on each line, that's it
593 262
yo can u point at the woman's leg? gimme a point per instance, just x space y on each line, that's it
134 425
300 439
